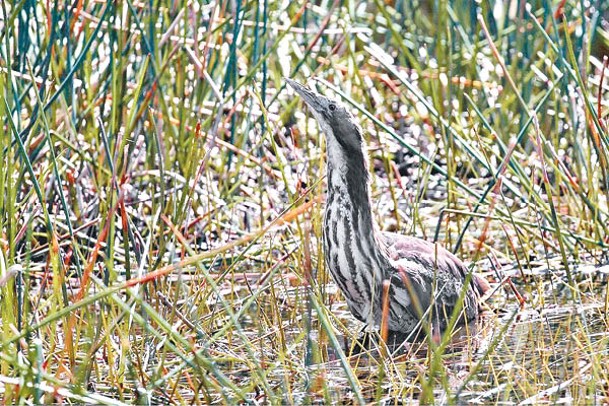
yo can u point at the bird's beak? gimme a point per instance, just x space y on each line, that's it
309 96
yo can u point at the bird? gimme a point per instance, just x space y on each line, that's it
422 282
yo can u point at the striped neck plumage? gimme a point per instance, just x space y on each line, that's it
348 220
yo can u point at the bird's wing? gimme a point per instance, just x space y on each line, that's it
431 256
426 273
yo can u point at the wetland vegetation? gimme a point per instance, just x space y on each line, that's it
161 197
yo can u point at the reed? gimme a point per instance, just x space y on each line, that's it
161 197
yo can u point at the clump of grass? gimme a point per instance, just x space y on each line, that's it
161 197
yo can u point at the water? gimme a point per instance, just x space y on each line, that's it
553 349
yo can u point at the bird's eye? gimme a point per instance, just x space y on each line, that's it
332 107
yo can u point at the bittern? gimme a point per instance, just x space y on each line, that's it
426 282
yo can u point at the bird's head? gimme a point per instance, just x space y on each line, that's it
340 127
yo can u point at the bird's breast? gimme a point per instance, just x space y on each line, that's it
348 260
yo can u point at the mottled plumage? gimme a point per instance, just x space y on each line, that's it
426 280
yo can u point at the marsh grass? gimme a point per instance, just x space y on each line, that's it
161 196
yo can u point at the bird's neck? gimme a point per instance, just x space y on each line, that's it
348 184
350 233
